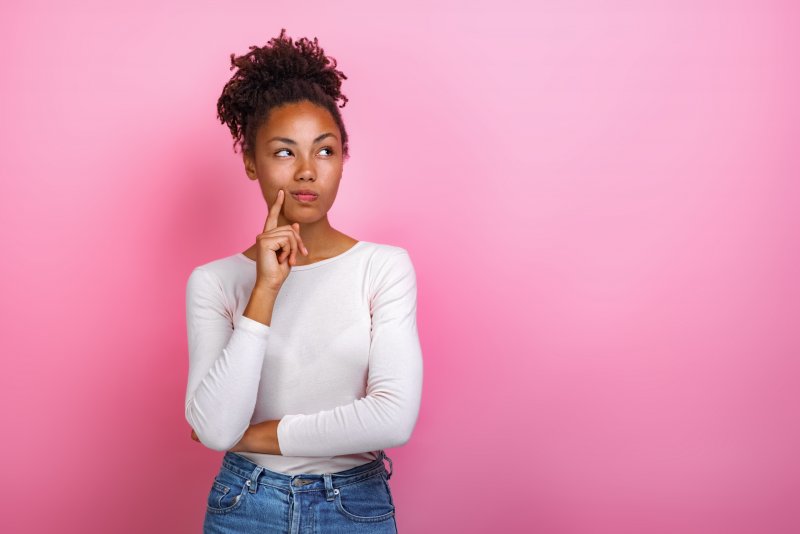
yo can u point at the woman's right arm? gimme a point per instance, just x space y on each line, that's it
225 360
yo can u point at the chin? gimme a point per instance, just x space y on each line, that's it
306 218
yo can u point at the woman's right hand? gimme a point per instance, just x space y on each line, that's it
273 268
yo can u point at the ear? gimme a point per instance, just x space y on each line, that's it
249 166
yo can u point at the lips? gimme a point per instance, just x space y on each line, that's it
304 195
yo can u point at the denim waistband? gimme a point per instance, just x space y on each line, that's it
258 474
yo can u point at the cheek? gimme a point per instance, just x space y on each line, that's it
331 192
275 167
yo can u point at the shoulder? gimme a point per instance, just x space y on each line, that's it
383 251
217 274
389 264
383 257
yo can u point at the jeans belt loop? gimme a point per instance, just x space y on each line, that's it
328 486
253 481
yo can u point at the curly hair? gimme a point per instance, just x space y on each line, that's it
278 73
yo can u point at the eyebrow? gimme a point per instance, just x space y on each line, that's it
293 142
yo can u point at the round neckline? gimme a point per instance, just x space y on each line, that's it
311 265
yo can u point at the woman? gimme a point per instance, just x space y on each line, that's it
309 334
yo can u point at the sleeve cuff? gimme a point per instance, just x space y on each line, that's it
283 439
252 326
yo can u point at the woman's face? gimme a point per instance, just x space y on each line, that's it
298 148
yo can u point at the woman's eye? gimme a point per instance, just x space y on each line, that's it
278 153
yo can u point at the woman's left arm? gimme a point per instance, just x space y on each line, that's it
386 416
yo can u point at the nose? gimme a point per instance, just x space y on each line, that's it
306 172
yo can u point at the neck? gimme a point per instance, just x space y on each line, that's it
319 237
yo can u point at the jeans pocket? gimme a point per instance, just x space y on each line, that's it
367 500
388 488
227 492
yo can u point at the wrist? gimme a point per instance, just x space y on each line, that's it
265 291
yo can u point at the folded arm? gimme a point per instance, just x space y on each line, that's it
386 416
225 362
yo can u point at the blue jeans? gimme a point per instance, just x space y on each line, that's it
248 498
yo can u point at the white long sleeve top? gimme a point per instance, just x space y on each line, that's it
340 365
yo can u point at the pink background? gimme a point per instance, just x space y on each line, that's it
600 199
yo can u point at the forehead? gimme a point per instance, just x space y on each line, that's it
302 121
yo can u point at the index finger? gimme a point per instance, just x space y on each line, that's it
272 218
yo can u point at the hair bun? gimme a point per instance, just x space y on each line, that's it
284 61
